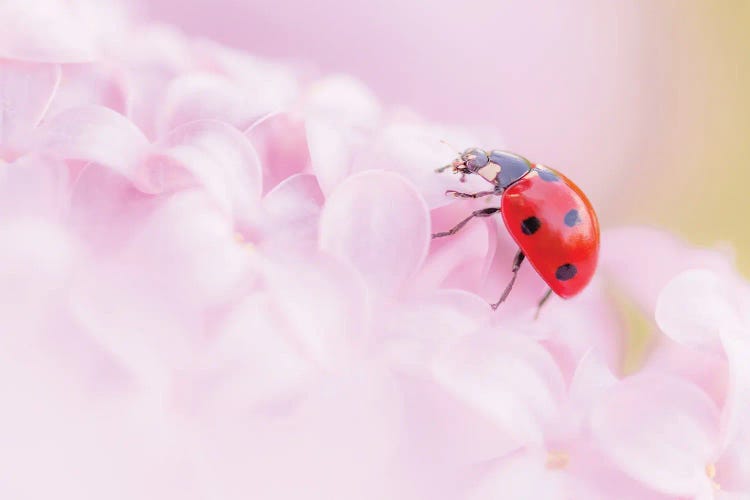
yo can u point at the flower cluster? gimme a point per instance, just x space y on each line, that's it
217 282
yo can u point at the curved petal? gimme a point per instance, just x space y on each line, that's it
418 331
52 31
509 378
736 411
213 155
94 134
26 90
281 142
521 475
377 221
459 261
693 308
415 150
660 430
92 84
206 96
330 153
343 100
324 302
291 212
658 255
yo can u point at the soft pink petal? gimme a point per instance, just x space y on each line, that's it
33 186
171 273
415 150
270 86
340 114
660 430
462 260
736 411
94 134
733 468
343 100
521 475
92 84
694 307
377 221
507 377
330 153
324 303
290 215
212 155
659 256
281 142
26 90
418 331
53 30
202 96
704 368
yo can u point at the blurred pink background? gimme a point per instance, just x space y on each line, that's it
629 98
575 85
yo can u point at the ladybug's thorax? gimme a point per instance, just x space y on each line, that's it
507 167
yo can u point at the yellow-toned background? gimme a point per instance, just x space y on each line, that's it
701 177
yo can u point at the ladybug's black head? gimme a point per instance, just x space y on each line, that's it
498 167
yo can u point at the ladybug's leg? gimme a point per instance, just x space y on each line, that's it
516 266
542 302
485 212
458 194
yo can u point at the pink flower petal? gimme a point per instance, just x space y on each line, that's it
521 475
660 430
414 150
281 142
94 134
418 332
736 412
290 215
213 155
340 114
377 221
509 378
33 186
203 96
343 100
52 31
323 302
694 307
26 90
459 261
660 257
91 84
330 153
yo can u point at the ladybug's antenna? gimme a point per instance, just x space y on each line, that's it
451 146
450 165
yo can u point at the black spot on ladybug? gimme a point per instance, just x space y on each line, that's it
572 218
546 175
566 272
530 225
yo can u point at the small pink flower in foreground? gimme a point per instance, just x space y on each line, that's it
217 281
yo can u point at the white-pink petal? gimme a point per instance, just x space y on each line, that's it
660 430
94 134
378 222
694 307
291 212
507 377
214 156
26 90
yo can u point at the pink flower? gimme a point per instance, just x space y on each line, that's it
218 281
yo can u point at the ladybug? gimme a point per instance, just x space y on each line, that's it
549 218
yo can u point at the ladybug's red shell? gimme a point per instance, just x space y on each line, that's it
555 226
